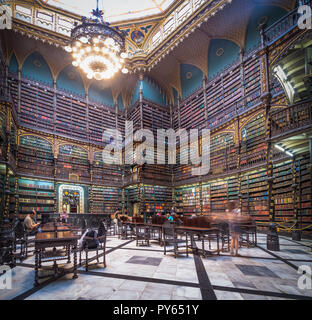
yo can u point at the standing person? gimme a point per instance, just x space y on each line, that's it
63 216
234 219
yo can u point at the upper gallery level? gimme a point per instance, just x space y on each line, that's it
173 69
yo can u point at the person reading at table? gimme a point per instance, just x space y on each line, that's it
32 228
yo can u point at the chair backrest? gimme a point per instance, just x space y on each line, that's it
19 230
102 230
169 230
138 219
203 222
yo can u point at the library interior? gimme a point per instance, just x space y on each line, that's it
84 82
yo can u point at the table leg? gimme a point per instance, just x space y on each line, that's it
36 267
68 253
40 256
75 276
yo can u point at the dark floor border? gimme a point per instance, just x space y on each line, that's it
169 282
279 258
297 242
262 293
33 290
206 288
143 279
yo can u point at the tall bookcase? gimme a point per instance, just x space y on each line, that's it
71 119
188 200
304 194
254 193
253 145
157 198
105 174
283 191
73 160
35 156
106 200
35 194
36 105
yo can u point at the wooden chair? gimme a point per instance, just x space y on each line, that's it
7 255
142 233
248 236
170 237
23 238
101 238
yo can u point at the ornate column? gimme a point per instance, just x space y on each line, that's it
296 235
16 197
54 104
205 101
19 91
179 112
55 152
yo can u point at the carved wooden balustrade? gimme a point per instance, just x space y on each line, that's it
295 117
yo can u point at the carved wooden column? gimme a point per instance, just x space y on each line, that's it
205 101
54 105
179 112
296 234
19 91
55 152
16 197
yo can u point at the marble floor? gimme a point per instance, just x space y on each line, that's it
145 273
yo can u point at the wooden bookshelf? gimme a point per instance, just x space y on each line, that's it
187 200
35 156
73 160
157 198
283 191
304 193
106 200
35 194
254 192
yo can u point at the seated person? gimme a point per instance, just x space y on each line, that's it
169 217
32 228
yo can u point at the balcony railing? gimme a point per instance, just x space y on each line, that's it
283 26
295 117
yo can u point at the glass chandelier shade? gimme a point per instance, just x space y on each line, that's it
97 48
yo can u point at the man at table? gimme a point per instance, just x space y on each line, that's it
32 228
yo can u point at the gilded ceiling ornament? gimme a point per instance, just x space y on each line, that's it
189 75
220 52
37 63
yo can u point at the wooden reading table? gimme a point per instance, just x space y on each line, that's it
55 239
202 232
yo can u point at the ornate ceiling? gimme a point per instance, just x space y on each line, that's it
230 23
117 10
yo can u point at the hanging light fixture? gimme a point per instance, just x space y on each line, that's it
97 48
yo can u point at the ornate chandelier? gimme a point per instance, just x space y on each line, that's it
97 48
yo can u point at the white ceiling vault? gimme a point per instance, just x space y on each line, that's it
116 10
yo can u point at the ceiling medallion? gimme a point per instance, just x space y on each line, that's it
97 48
37 63
220 52
188 75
